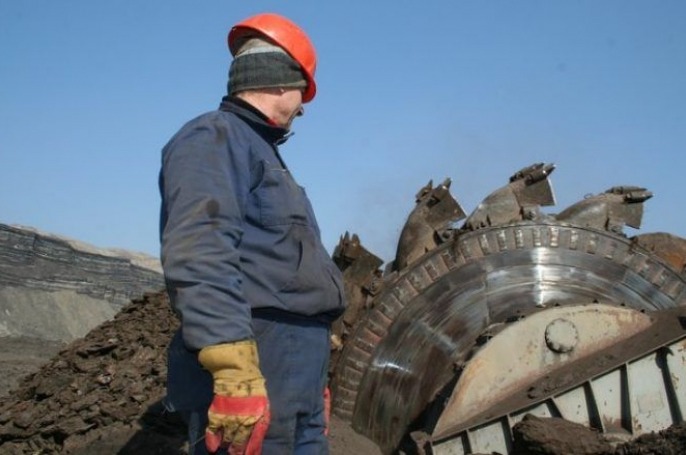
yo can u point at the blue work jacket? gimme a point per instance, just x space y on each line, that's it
238 234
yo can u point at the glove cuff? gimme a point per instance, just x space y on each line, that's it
235 368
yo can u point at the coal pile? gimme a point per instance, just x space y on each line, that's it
102 394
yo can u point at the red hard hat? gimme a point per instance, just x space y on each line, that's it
286 35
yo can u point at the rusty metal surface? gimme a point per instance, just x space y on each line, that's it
532 348
667 246
359 267
633 387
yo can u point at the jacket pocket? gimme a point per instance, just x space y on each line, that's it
281 201
312 287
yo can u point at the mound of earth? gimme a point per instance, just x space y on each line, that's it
102 394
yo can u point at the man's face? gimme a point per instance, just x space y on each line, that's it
289 106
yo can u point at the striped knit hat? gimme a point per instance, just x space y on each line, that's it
260 64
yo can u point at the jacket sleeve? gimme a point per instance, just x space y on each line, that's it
204 185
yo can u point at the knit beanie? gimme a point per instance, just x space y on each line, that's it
260 64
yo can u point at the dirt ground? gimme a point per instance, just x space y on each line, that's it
101 395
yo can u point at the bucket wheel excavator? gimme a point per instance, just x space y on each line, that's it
482 319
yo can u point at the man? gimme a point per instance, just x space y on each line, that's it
245 268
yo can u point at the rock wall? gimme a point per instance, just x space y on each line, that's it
55 288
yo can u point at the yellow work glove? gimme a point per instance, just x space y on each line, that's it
239 413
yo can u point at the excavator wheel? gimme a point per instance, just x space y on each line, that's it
521 312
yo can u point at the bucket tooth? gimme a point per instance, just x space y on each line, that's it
521 199
361 281
429 224
611 210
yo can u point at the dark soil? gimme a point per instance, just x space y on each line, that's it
552 436
102 395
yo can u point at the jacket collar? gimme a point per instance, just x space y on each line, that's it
256 119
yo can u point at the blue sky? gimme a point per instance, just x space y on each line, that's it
408 92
